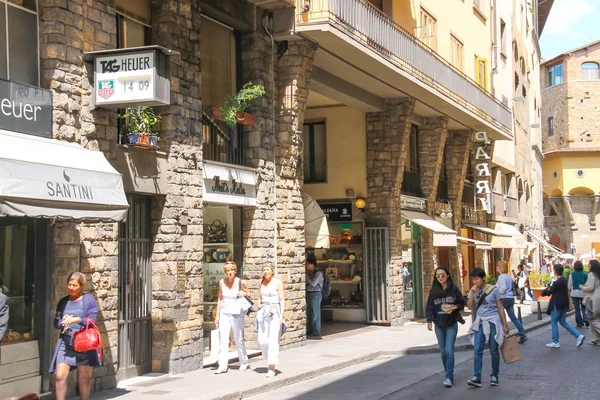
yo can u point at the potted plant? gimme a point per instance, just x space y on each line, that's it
139 126
233 111
538 282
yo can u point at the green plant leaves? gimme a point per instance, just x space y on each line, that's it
239 102
140 120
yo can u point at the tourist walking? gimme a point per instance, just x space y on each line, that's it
444 305
72 312
230 318
592 288
558 306
489 325
577 278
314 295
505 286
269 318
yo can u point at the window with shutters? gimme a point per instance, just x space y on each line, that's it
481 73
457 52
589 71
428 30
133 23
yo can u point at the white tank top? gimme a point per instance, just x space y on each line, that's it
229 296
270 295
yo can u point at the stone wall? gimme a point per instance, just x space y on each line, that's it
388 135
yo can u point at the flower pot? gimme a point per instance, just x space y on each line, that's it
244 118
537 292
141 140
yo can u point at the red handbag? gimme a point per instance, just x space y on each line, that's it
88 338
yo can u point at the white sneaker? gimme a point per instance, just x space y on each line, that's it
270 374
244 367
448 383
553 345
580 340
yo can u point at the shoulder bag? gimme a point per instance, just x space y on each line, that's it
244 303
88 338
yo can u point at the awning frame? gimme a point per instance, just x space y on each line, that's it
545 244
478 244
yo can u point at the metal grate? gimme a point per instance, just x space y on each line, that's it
223 143
377 274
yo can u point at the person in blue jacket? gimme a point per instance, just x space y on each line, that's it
444 305
71 314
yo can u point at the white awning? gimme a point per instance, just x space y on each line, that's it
514 241
227 184
489 231
478 244
442 235
545 244
316 230
47 178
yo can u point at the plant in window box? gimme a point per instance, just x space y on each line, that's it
139 126
233 111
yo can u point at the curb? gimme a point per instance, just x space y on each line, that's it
277 384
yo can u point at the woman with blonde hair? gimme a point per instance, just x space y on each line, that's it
229 317
72 312
269 318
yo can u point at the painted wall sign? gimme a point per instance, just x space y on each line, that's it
25 109
337 212
483 190
132 77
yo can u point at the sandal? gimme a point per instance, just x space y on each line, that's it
220 371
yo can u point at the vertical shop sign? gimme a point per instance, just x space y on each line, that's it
483 191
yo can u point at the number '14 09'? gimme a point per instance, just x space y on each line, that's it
134 86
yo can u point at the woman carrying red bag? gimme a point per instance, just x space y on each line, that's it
72 312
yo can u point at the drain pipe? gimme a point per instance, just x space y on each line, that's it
274 198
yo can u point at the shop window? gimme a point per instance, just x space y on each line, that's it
428 30
19 53
457 52
590 71
315 152
554 75
550 126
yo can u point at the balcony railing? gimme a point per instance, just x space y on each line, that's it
222 143
411 182
370 26
469 213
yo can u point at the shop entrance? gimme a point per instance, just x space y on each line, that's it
135 290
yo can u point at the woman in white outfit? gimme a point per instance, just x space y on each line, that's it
270 317
229 318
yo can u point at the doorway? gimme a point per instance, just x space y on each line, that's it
135 290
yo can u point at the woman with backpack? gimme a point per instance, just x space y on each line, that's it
444 305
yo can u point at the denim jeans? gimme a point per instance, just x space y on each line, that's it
509 306
313 312
479 345
560 317
446 338
580 314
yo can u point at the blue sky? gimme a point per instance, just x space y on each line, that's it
571 24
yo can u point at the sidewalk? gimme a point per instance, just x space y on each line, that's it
334 352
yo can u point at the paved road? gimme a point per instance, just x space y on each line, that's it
565 373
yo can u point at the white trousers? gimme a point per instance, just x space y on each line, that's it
268 338
226 324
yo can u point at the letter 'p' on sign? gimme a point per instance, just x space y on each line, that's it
483 191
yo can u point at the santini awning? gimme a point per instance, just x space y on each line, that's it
514 241
442 235
46 178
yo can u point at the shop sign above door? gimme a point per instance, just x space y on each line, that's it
413 203
228 185
137 76
483 191
337 212
25 109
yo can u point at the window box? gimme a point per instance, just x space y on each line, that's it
142 140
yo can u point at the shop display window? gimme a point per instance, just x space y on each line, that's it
17 274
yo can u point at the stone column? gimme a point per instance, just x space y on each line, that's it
177 314
432 140
388 137
293 81
458 151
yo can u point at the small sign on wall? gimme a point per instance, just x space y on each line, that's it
337 212
132 77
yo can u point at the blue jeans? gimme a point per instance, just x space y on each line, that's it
446 338
580 314
509 306
479 344
560 317
313 312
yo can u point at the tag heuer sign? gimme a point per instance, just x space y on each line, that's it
132 77
337 212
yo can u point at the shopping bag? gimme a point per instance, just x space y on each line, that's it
511 350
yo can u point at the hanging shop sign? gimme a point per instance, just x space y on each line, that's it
337 212
25 109
483 191
228 185
137 76
413 203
